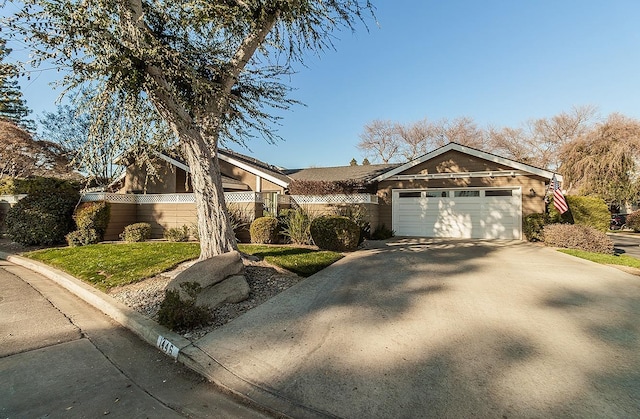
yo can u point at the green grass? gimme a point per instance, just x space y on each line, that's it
109 265
302 261
623 260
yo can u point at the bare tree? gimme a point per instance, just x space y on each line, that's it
380 141
392 141
605 161
415 138
548 135
511 143
462 130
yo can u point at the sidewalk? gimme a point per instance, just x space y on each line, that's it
171 343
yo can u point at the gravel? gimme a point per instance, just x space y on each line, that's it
264 280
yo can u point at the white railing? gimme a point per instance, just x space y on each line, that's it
173 198
361 198
11 199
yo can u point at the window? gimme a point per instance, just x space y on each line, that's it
498 192
410 194
432 194
466 194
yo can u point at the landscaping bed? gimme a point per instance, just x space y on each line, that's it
136 274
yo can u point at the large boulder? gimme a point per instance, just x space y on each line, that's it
220 280
232 290
209 271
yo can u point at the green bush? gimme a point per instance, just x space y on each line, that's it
178 314
264 230
42 218
177 234
295 225
239 218
576 236
532 226
584 210
82 237
137 232
382 233
3 216
334 232
633 221
93 215
35 185
359 215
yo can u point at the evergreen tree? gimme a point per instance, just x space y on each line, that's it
12 105
211 72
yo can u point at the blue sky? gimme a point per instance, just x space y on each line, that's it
500 62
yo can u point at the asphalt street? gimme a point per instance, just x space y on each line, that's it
628 245
59 357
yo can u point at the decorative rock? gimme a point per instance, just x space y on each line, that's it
210 271
232 290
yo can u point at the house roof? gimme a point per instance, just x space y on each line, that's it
255 166
473 152
364 173
247 163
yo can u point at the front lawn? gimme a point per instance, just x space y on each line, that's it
622 260
302 261
109 265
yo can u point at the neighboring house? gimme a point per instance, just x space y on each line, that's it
454 191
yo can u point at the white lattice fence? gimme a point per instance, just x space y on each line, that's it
334 199
177 198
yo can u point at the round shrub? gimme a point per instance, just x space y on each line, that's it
264 230
177 234
137 232
42 219
633 221
576 236
82 237
333 232
532 226
93 216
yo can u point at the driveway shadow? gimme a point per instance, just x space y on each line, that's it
440 328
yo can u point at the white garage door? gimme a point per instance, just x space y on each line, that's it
458 213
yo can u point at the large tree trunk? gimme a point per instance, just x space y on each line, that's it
216 234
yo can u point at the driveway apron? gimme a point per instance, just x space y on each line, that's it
444 328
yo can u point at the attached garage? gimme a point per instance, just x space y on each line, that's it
461 192
458 213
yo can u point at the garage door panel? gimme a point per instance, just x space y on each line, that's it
492 217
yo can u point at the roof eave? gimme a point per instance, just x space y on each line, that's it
471 151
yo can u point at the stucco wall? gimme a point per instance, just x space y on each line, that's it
165 216
121 216
136 180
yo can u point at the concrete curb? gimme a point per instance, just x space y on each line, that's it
171 343
145 328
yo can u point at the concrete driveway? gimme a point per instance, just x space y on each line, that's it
436 328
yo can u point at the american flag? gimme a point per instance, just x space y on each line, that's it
558 198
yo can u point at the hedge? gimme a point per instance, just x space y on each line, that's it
584 210
334 232
42 218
